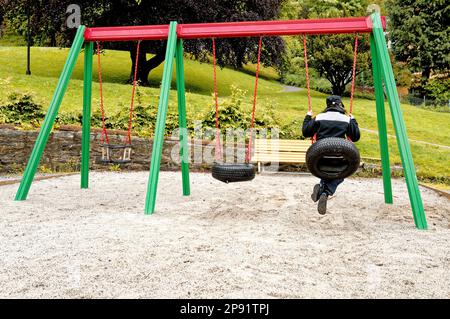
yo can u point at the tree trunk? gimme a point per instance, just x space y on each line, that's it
52 39
426 73
338 87
144 66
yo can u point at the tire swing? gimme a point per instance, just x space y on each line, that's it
116 153
234 172
332 157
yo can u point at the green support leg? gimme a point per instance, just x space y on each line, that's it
184 151
87 98
49 119
381 116
399 125
158 139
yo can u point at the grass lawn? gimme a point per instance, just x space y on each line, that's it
422 125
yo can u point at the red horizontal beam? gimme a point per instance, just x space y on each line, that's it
146 32
275 28
234 29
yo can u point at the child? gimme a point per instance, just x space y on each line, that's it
332 122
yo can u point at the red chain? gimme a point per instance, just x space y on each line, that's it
355 56
305 50
130 120
218 150
255 92
104 134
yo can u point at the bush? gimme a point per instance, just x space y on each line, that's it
144 119
402 74
294 79
69 118
234 115
438 90
298 78
20 109
292 130
321 85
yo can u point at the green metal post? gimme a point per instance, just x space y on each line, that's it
184 151
49 119
87 98
158 139
399 124
381 116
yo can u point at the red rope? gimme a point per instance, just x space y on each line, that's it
255 92
104 134
130 120
355 56
305 50
218 150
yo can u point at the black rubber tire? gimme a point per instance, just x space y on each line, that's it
332 158
231 173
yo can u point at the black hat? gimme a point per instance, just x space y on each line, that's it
334 101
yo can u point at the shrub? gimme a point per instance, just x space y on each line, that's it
144 120
292 130
21 109
233 113
438 89
69 118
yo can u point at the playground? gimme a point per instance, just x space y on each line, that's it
213 216
220 242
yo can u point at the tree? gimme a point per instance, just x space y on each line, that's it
420 33
332 55
2 11
47 20
233 52
333 59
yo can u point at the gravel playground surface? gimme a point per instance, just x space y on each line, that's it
260 239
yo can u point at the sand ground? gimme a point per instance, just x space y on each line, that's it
261 239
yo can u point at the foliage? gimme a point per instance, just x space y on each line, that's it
316 83
21 109
47 20
144 119
2 10
48 26
68 118
419 31
234 115
115 167
438 89
330 55
292 130
333 8
333 59
403 76
45 170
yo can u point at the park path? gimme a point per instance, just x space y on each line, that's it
291 89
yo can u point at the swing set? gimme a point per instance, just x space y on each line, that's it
114 153
174 34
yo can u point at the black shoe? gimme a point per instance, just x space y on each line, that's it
316 193
322 206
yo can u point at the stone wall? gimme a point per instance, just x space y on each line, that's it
63 151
